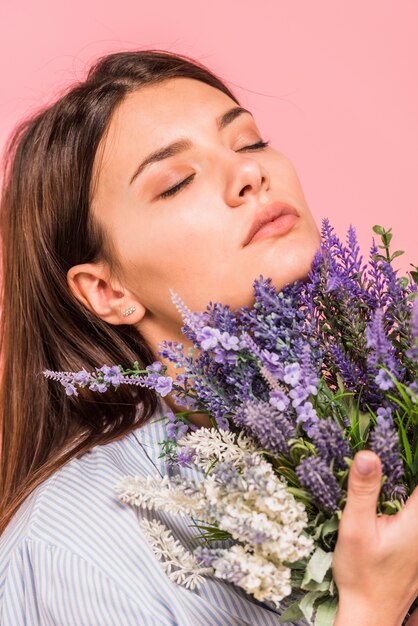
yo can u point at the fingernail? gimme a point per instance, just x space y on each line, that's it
365 465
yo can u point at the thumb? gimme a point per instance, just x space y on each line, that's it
364 483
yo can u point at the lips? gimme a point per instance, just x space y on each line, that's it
270 214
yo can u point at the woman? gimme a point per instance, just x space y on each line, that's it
145 177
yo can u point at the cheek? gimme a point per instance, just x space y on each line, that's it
193 231
178 244
283 176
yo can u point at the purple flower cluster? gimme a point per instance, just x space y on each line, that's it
384 441
381 352
316 477
361 312
332 447
412 353
270 427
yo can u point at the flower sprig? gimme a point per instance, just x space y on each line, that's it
113 376
241 496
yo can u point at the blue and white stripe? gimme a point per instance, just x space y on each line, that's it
74 555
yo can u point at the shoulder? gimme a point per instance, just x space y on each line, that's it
82 490
76 510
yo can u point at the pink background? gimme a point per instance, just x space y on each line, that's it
333 84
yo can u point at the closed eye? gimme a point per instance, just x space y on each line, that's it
260 145
176 188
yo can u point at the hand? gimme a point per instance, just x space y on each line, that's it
375 562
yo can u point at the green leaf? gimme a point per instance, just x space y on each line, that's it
330 526
326 612
378 229
379 257
307 603
292 613
318 565
312 585
363 423
406 446
396 254
340 383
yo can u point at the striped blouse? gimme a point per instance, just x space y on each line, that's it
74 555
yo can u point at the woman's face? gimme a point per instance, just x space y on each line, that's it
192 241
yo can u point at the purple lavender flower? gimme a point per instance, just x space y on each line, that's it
82 377
156 366
173 351
184 456
384 380
223 356
70 390
279 400
414 320
273 363
112 375
292 374
384 441
164 385
302 378
192 322
353 373
381 350
384 412
315 476
412 391
176 428
270 427
207 556
208 338
96 386
298 395
328 438
307 416
309 377
412 353
333 283
228 341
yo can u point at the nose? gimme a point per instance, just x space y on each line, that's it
246 177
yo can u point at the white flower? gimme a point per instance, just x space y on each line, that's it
255 574
178 563
241 495
273 525
211 445
172 496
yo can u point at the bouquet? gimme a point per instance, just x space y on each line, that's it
293 386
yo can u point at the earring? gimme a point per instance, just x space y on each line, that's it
129 311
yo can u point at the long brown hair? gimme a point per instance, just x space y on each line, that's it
46 228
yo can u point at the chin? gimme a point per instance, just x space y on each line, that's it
292 263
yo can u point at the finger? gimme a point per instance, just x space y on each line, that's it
364 483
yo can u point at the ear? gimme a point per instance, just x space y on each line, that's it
93 286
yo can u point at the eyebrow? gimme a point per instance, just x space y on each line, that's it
176 147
